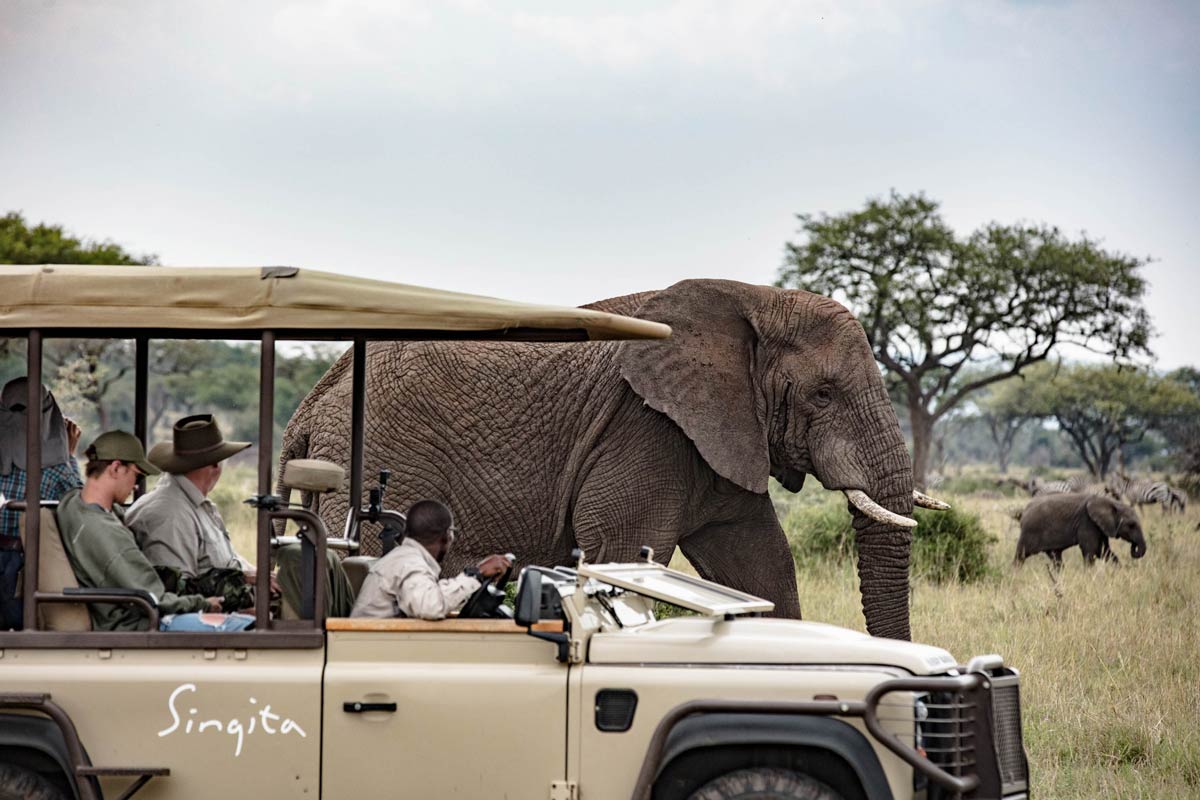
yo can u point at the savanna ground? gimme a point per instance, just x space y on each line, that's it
1109 656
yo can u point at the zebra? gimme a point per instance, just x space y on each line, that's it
1076 484
1143 492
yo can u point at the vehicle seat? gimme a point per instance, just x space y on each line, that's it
54 575
313 475
356 568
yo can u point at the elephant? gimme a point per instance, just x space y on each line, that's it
1052 523
541 447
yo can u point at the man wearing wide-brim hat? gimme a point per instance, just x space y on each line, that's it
177 525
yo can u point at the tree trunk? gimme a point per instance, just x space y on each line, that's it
922 433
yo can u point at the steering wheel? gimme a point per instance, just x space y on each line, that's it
488 600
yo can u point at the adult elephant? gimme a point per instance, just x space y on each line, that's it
1053 523
610 446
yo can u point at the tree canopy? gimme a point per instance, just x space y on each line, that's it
1103 408
88 367
932 303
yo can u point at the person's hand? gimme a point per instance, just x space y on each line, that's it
494 565
251 575
73 434
215 604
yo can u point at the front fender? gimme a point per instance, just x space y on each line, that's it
704 746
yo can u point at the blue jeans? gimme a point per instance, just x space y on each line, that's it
11 606
206 623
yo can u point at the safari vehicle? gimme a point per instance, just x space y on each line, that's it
579 692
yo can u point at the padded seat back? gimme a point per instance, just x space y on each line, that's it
313 475
356 568
54 575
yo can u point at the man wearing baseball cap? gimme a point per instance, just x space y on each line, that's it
104 554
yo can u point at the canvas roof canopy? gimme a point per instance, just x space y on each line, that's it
280 298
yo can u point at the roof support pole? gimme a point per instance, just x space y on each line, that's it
33 474
266 446
141 378
358 408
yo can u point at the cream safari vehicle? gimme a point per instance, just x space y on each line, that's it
579 691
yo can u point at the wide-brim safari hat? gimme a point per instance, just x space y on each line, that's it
196 442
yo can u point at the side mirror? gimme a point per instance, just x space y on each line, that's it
528 604
528 611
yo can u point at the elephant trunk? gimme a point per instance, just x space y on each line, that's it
884 546
1137 549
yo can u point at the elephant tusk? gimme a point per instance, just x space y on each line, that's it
925 501
866 505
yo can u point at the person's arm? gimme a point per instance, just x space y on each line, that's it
423 597
167 540
129 569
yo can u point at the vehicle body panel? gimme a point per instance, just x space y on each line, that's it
661 688
146 708
708 640
478 715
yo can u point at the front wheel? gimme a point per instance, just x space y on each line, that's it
18 783
764 783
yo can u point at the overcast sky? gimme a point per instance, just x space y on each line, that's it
563 152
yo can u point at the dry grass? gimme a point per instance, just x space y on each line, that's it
1109 656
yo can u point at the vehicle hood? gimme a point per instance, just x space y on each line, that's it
755 640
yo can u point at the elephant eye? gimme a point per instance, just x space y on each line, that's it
822 397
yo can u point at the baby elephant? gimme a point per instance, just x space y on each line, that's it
1052 523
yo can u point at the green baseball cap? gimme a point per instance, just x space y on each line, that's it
120 446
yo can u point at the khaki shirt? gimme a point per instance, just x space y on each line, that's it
404 583
177 526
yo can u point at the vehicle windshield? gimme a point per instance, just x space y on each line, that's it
677 588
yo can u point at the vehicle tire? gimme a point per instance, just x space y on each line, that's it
18 783
764 783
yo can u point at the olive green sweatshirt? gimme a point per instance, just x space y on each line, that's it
104 555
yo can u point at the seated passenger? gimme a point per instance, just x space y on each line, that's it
60 474
179 528
405 582
103 552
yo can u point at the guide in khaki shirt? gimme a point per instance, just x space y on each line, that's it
407 581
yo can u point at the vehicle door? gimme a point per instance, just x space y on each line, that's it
455 708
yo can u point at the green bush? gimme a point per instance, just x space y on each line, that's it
947 545
950 546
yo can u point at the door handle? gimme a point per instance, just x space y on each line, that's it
357 707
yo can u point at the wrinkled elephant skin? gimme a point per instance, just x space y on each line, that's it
538 448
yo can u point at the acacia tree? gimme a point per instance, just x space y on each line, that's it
1105 408
86 368
1005 409
931 303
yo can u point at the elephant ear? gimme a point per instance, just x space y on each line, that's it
703 377
1105 514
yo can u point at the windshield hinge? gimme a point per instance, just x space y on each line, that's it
576 652
564 790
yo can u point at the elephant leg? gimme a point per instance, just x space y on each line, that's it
1055 557
1107 554
749 557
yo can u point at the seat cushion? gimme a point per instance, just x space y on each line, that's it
313 475
54 575
356 568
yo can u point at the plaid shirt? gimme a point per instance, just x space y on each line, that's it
56 481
